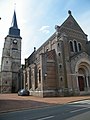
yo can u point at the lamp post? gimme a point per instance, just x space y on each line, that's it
45 78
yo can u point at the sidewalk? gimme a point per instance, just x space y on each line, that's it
11 102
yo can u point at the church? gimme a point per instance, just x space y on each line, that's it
61 66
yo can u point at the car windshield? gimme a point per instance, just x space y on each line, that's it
22 90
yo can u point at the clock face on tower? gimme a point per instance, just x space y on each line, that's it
15 41
15 45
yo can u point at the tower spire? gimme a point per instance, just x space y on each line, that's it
14 30
14 21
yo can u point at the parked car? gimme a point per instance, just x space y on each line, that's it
23 92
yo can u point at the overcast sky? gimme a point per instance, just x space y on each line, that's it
37 19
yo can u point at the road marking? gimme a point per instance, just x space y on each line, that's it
79 110
84 101
45 118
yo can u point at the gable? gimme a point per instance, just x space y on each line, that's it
71 23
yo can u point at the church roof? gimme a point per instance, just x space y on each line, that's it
71 23
13 30
14 20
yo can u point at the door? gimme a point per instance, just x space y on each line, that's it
81 83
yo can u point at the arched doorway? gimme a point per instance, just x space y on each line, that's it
82 70
82 73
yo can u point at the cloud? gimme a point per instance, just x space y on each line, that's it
45 29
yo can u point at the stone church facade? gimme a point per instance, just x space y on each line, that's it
11 59
61 66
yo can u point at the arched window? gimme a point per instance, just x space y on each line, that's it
71 46
40 76
61 78
79 47
47 50
59 54
58 44
60 66
75 46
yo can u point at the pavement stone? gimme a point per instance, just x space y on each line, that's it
11 102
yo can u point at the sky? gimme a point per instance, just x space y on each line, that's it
37 19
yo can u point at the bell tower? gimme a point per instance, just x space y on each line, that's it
11 59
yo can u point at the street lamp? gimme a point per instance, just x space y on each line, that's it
45 76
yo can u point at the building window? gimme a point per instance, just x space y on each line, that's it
6 82
39 76
7 62
59 54
60 66
79 47
14 49
30 82
47 50
61 78
58 44
75 46
35 76
89 80
71 46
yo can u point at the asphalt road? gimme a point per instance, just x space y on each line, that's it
74 111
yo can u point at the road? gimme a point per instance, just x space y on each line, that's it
73 111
